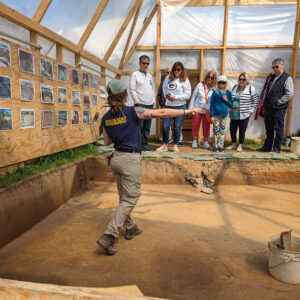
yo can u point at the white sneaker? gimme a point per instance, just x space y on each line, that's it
194 145
231 147
162 149
206 145
176 149
239 148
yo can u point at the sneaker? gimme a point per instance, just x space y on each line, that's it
162 149
221 150
231 147
194 145
206 145
107 242
131 233
215 149
239 148
176 149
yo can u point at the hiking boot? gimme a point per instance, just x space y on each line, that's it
131 233
107 242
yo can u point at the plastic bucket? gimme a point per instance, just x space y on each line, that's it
295 145
284 265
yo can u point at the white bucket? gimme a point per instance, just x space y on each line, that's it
295 145
284 265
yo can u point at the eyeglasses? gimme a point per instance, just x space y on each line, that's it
210 77
221 82
168 72
275 67
242 79
177 70
145 63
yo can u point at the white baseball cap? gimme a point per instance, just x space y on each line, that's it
222 78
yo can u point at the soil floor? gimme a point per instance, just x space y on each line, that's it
194 246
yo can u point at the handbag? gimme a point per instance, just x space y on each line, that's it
207 110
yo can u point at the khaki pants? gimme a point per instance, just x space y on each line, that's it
127 170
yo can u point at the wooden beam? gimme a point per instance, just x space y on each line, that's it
293 70
157 59
211 47
195 47
201 74
225 30
23 21
41 10
252 75
34 40
121 30
195 3
59 53
92 24
130 35
140 35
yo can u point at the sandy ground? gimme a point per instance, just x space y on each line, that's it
194 246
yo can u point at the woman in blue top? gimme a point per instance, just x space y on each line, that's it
221 99
120 126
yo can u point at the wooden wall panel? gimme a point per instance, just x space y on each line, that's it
19 145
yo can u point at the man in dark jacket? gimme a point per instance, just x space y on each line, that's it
279 91
160 95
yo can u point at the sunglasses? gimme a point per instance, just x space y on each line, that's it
275 67
242 79
145 63
221 82
210 77
168 72
177 70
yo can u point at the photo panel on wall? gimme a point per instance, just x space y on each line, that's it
75 76
94 82
27 90
62 73
47 94
27 118
5 88
46 68
26 61
62 118
75 117
6 121
62 95
94 100
75 98
47 118
86 99
86 116
5 60
85 80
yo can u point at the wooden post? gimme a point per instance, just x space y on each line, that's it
293 70
34 39
225 29
157 57
201 77
59 53
77 60
42 9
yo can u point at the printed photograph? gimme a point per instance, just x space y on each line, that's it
94 82
27 118
86 116
86 98
94 100
26 61
96 117
62 73
62 117
46 68
27 90
75 76
5 88
5 119
62 95
47 118
75 98
47 94
4 55
75 117
85 79
102 91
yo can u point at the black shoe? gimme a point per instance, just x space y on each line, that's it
221 150
107 242
263 150
276 150
145 148
181 144
131 233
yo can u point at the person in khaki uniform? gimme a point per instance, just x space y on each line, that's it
121 126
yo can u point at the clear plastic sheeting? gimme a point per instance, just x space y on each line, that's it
15 31
193 26
48 48
133 62
296 109
189 58
212 61
90 67
25 7
261 25
69 18
108 26
68 57
149 36
255 60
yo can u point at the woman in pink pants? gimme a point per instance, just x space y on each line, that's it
201 98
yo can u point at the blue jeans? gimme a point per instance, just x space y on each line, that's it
145 126
176 126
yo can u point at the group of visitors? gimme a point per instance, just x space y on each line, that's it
128 127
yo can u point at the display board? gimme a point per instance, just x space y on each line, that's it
46 106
